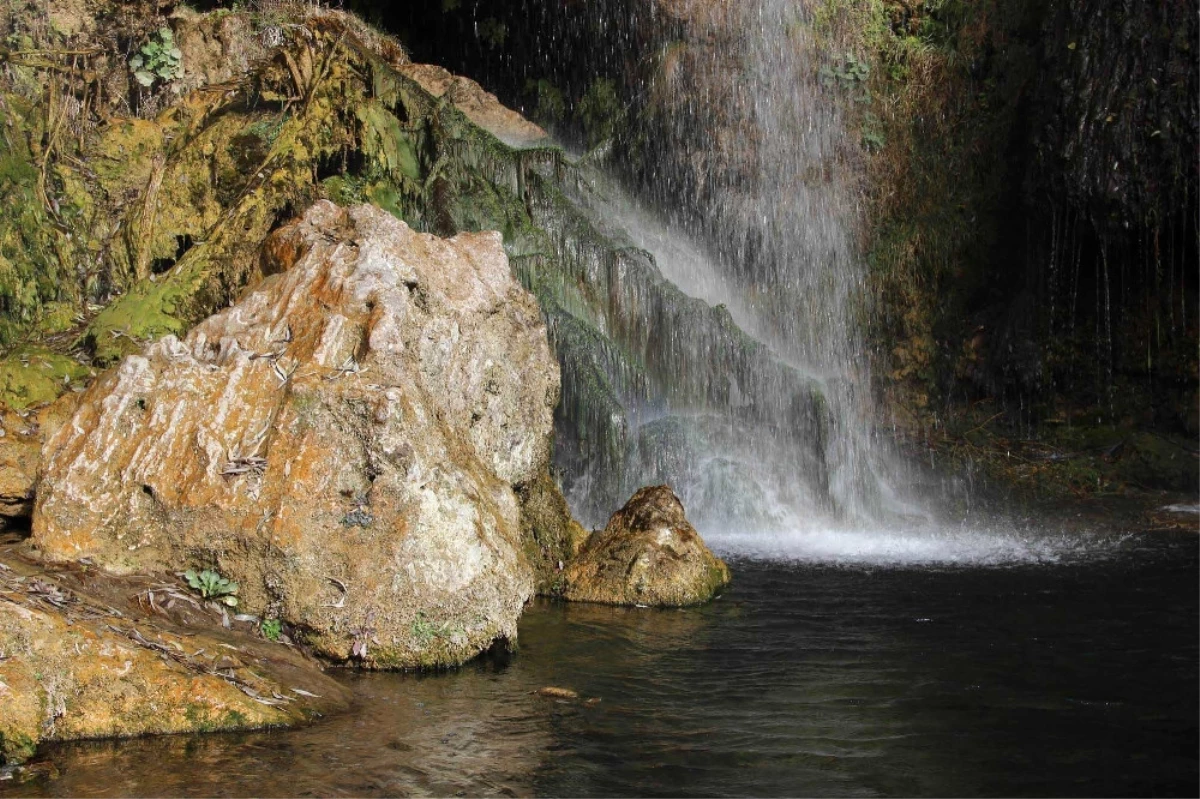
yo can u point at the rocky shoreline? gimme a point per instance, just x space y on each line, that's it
350 466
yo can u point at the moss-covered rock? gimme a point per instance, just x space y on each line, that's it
647 555
34 376
551 536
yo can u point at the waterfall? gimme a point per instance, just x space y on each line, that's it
753 207
778 209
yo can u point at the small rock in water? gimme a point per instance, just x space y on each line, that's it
557 693
649 555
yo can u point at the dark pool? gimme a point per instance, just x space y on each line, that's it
1069 678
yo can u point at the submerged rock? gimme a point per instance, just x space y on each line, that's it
649 554
89 657
344 442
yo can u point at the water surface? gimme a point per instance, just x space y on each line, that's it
1072 675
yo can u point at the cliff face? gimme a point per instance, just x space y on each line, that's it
185 178
1012 270
1027 170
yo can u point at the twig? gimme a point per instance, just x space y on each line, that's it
341 603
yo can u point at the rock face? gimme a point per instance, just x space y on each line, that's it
81 661
647 555
480 106
344 442
22 437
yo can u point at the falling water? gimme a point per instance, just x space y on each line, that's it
750 395
755 149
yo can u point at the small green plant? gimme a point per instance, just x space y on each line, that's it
159 59
601 111
873 139
212 585
424 630
849 70
271 629
551 108
493 32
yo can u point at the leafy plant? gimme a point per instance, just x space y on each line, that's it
873 139
159 59
271 629
493 32
601 111
850 71
551 108
212 585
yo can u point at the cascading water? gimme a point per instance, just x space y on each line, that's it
752 150
708 328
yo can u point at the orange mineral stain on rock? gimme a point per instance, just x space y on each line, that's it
362 416
648 554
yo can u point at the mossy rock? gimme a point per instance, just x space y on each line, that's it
648 555
36 376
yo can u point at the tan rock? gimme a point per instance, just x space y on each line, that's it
22 436
481 107
649 554
74 666
343 442
552 536
216 48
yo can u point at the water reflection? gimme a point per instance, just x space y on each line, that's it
1038 679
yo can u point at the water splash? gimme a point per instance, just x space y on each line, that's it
994 545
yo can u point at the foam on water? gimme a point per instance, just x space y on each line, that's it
900 547
1189 509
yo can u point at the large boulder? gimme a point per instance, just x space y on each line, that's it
649 554
344 442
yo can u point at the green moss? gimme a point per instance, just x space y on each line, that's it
16 747
34 376
234 719
37 256
204 718
148 312
123 155
387 142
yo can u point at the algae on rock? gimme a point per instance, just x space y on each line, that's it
88 656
